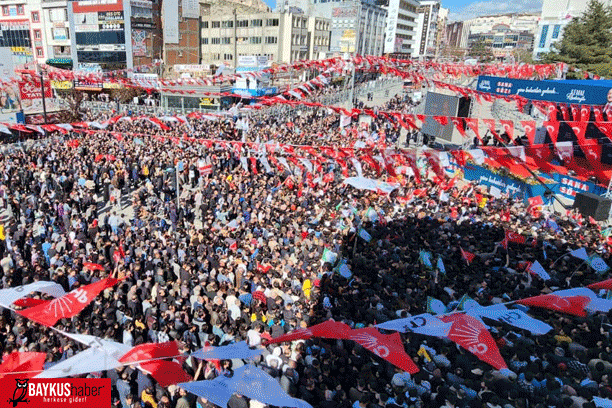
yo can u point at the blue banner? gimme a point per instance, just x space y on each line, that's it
515 188
568 186
589 92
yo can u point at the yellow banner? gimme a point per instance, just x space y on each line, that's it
111 85
61 84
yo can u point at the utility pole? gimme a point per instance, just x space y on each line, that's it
42 90
358 18
235 42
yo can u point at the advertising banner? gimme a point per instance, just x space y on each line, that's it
576 92
139 46
170 21
515 188
568 186
31 90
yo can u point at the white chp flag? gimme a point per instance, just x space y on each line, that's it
344 121
513 317
11 295
425 323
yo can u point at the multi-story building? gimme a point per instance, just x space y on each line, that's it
516 22
457 34
503 41
427 29
441 30
555 16
400 28
56 33
275 37
358 26
21 29
181 32
112 34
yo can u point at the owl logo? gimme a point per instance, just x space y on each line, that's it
20 392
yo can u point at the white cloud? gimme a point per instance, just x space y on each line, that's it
487 7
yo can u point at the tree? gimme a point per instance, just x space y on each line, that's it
587 41
481 51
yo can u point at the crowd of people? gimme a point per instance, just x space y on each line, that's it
238 256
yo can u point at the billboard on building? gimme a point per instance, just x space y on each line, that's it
437 104
30 93
171 21
191 9
9 91
139 46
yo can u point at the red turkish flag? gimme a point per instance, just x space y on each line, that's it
535 201
607 284
597 114
491 125
512 236
458 122
148 351
573 305
93 266
443 120
508 127
605 128
530 129
579 129
575 109
551 109
27 364
468 256
541 152
472 123
388 347
329 177
564 111
553 130
592 151
165 372
328 330
69 305
472 335
585 113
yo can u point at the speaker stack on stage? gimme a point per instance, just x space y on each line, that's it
592 205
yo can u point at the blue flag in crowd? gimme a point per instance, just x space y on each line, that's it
239 350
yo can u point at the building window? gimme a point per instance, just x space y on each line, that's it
272 22
20 10
35 17
216 24
228 57
226 40
271 40
39 52
257 23
255 40
5 10
204 24
37 35
555 33
205 40
242 23
227 24
215 40
543 36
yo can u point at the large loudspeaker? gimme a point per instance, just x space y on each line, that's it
463 110
593 205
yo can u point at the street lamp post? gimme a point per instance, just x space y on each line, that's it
42 90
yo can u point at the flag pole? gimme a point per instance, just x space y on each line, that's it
576 270
557 260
